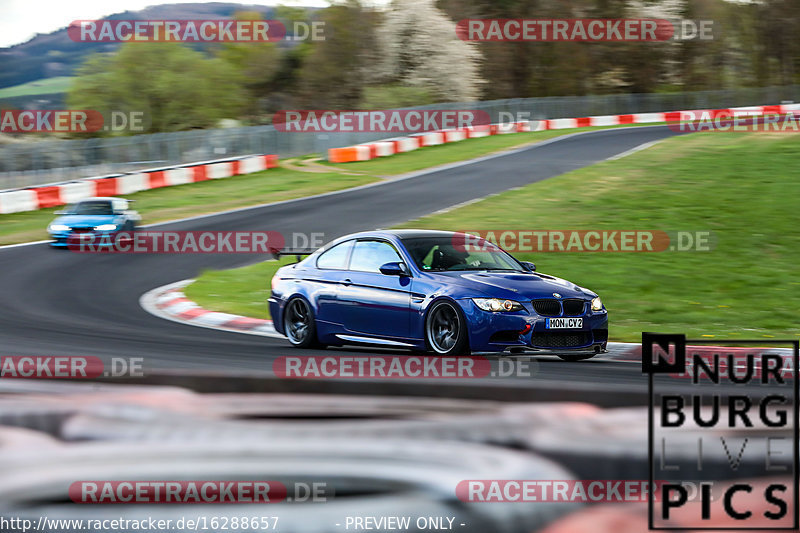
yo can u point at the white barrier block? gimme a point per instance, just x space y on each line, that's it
451 136
480 131
406 144
433 138
362 152
605 120
72 192
253 164
506 127
383 149
748 111
178 176
563 123
17 201
219 170
131 183
646 118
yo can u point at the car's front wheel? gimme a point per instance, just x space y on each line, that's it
446 330
299 324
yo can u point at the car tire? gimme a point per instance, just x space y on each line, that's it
446 329
573 357
299 324
130 228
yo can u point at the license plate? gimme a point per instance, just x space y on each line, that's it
563 323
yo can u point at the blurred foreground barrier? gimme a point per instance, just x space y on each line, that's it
354 477
42 197
12 438
613 444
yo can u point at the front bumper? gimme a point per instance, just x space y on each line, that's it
496 332
64 239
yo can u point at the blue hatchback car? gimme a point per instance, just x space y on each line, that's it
419 289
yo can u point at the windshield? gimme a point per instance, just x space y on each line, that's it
437 254
95 207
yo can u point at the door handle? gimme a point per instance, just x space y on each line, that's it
346 282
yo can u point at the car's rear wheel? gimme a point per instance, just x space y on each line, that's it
446 330
299 324
572 357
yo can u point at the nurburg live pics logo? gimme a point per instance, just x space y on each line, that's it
717 412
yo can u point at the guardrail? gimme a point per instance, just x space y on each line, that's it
25 162
55 194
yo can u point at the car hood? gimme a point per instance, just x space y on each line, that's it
84 220
516 285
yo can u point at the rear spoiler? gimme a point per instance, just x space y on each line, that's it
297 252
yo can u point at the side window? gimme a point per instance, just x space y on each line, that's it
336 257
119 205
368 256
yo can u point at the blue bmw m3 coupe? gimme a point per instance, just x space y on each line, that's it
426 290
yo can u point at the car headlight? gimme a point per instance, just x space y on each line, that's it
597 304
58 227
106 227
496 305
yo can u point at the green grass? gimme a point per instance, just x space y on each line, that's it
213 196
741 187
242 291
59 84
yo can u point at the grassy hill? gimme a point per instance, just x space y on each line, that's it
55 55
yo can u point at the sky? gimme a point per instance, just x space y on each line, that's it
22 19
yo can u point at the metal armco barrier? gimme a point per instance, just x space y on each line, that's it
30 162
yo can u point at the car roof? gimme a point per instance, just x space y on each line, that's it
400 233
99 199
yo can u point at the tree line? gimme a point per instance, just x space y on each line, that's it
408 53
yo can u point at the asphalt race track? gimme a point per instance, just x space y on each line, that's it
60 303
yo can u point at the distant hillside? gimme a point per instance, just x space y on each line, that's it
55 54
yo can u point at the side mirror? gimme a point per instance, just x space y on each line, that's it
530 266
394 269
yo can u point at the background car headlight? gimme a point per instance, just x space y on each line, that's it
496 305
106 227
58 227
597 304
